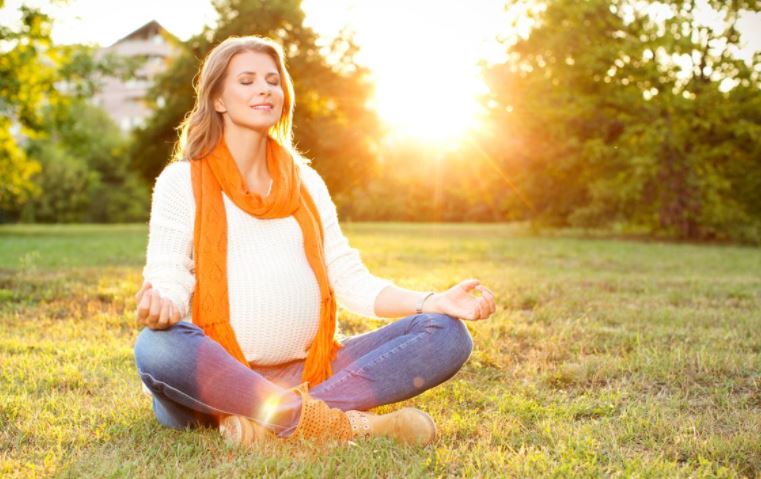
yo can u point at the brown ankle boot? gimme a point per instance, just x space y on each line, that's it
407 425
317 422
322 423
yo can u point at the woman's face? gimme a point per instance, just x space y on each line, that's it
251 94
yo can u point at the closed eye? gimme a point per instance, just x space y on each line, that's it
273 83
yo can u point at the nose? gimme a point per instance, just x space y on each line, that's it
265 88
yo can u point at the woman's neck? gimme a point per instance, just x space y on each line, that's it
249 150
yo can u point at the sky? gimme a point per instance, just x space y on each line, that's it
423 54
95 22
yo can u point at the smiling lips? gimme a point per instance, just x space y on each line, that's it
262 106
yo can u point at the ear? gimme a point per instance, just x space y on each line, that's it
219 106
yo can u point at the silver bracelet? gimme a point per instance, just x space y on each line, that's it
419 308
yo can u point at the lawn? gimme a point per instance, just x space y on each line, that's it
606 357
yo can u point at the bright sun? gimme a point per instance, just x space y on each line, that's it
423 56
430 99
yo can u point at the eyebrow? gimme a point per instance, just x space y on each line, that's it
254 73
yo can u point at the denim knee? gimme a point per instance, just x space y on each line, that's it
453 335
157 351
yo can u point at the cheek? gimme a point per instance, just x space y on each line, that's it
240 95
237 95
279 98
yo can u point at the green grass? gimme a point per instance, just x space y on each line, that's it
607 358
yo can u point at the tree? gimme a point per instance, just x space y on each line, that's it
333 125
25 79
37 75
85 174
618 116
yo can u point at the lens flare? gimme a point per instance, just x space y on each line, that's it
269 408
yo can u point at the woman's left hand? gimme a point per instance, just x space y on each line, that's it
458 302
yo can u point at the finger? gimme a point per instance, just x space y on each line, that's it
163 321
469 284
170 313
487 308
146 286
489 298
149 319
482 308
175 315
152 321
143 308
153 315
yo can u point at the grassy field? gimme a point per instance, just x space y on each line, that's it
606 358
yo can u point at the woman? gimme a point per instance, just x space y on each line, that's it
244 266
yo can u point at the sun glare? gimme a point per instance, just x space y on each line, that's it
431 99
423 56
267 410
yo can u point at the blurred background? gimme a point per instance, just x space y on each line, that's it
626 116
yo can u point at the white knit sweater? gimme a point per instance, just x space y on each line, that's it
273 293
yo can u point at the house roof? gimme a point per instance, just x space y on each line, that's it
148 30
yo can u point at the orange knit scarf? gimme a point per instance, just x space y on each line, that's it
217 173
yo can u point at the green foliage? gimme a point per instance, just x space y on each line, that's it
15 180
332 123
37 80
418 183
25 79
85 173
607 128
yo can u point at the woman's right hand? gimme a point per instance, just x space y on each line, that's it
153 310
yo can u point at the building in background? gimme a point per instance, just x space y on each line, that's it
123 100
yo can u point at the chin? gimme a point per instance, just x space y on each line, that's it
261 128
258 126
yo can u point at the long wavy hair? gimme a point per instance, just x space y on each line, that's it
203 126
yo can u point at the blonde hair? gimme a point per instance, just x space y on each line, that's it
203 126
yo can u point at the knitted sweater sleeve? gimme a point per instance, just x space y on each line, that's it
169 265
355 287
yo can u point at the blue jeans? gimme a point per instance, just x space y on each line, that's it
194 381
